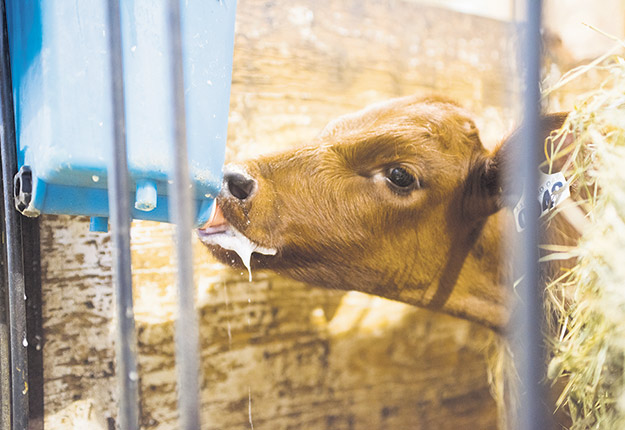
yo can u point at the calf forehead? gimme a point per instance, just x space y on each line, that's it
434 136
409 124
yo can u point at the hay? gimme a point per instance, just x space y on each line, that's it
587 337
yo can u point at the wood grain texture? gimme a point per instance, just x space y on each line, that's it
278 354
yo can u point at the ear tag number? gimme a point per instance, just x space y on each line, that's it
552 191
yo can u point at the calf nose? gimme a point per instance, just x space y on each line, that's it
239 185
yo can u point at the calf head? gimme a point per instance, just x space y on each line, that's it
395 200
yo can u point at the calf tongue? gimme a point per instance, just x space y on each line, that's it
216 218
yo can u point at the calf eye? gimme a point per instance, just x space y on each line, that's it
401 179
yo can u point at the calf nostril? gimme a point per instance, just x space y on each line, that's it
240 186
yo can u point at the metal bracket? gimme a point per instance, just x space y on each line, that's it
23 188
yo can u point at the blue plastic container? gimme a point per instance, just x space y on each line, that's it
63 102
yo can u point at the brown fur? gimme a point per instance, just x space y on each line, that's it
335 221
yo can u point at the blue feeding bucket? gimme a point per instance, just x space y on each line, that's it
60 64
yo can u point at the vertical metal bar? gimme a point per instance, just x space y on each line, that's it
5 339
119 212
13 231
528 339
34 323
187 333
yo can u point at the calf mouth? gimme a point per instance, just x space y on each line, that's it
223 239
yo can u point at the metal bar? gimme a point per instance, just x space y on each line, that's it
119 212
34 322
528 339
5 339
13 231
187 333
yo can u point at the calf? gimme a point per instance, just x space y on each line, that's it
400 200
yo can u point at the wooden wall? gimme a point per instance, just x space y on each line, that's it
278 354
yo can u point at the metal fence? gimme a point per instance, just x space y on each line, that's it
21 365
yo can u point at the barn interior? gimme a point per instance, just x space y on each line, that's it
277 354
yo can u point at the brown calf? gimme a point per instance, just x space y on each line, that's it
400 200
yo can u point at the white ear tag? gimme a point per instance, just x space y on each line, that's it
552 191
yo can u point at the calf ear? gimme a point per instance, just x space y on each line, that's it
484 192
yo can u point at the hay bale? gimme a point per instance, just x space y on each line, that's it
588 340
